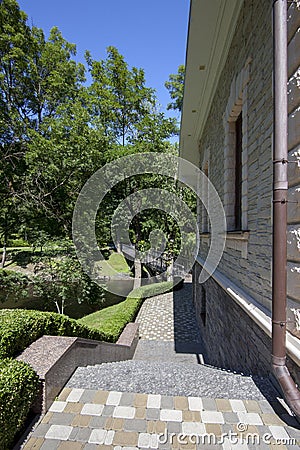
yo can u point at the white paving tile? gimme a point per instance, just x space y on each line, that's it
193 428
153 401
147 440
170 415
250 418
60 432
212 417
234 445
75 395
57 406
144 440
97 436
195 403
237 406
124 412
114 398
92 409
278 432
109 437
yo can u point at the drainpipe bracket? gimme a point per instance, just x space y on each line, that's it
282 323
278 361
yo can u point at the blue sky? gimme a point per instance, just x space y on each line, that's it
150 34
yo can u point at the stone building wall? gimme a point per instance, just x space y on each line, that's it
293 264
232 339
247 259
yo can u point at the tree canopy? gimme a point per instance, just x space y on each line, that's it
175 86
56 129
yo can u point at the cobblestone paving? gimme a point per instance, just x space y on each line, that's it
169 317
90 419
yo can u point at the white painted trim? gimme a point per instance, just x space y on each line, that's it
211 29
254 310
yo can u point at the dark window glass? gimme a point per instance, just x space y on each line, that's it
238 172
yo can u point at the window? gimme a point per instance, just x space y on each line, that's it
205 220
238 172
236 153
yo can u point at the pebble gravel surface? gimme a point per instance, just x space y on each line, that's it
171 379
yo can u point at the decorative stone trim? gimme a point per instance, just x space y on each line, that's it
204 225
237 103
238 241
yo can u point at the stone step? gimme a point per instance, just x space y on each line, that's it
169 378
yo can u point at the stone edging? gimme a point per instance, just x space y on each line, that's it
55 358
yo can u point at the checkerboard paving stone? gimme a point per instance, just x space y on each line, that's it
195 403
122 420
250 418
212 417
124 412
57 406
74 395
114 398
92 409
60 432
153 401
238 406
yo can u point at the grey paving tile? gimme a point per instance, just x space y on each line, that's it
265 406
260 446
41 430
108 410
230 417
294 432
62 418
139 425
90 447
174 427
167 402
209 404
87 396
152 414
209 447
127 399
97 422
80 434
50 444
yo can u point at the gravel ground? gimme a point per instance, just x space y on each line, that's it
171 379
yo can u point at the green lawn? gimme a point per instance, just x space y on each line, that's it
116 262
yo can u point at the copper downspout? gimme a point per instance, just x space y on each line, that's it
280 189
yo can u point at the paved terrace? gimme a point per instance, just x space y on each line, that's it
165 397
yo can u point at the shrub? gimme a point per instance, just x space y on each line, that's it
19 328
19 386
112 320
12 282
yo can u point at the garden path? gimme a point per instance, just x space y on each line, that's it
165 397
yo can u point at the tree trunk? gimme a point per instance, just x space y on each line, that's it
137 273
3 256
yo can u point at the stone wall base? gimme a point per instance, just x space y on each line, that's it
232 340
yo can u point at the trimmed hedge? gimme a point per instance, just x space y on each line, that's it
19 385
18 382
111 321
19 328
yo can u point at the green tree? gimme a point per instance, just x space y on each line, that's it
41 123
175 86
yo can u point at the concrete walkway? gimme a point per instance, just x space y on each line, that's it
165 398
